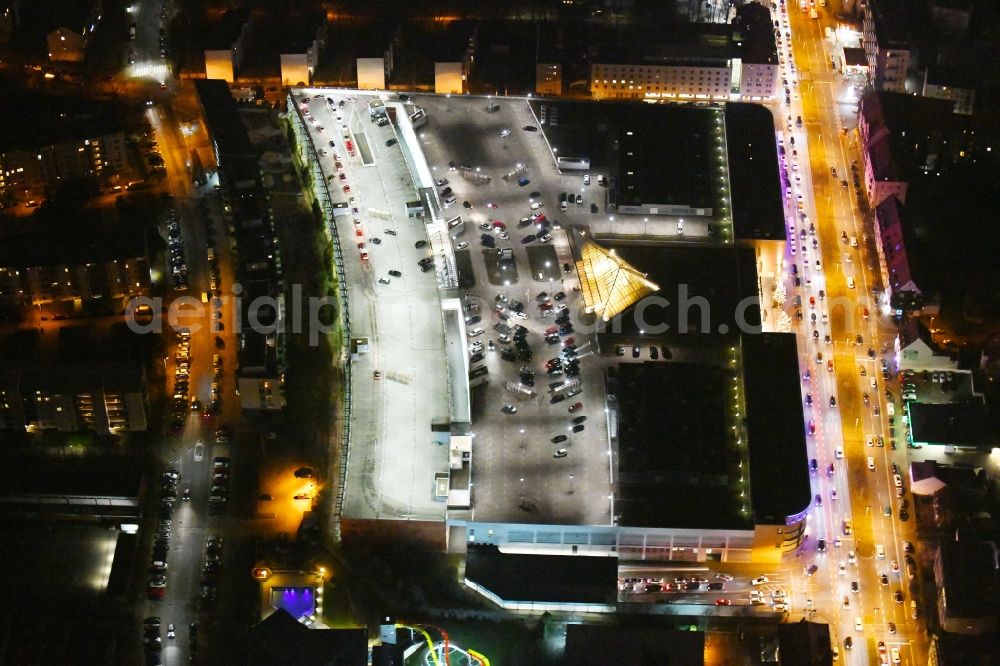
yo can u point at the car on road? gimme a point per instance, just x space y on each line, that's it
530 128
760 580
199 451
560 453
575 407
509 409
390 142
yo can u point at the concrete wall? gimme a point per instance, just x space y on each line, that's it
449 78
219 65
371 73
295 69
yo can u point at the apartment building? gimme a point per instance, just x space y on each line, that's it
886 45
940 84
103 398
260 377
227 41
43 267
712 62
49 140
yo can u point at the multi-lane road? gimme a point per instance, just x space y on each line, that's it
846 309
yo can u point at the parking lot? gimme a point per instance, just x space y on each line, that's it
512 251
399 387
515 476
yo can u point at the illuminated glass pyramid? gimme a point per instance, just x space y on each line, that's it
610 284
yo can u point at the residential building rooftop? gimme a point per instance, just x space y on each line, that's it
964 424
33 119
971 577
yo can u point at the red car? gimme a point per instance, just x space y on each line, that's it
364 256
551 330
569 341
347 188
359 233
343 176
575 407
812 428
723 602
865 313
497 224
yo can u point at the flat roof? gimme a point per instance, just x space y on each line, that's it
775 426
892 20
855 57
89 475
393 455
543 578
33 119
126 377
668 167
669 40
223 32
954 424
223 120
601 644
51 237
687 274
752 155
971 581
675 466
804 643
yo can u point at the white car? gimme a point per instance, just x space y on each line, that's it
759 580
871 463
504 132
858 624
199 451
839 453
462 246
850 283
521 315
476 332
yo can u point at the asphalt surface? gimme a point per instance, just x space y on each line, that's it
823 142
